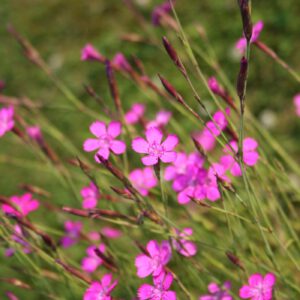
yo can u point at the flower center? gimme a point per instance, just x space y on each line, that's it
105 141
156 150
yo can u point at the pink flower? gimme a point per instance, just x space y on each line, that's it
35 133
18 236
160 289
241 44
135 113
217 293
90 195
153 263
111 233
259 288
154 147
90 53
11 296
92 261
181 164
105 139
24 203
72 236
214 86
207 137
6 119
182 245
101 290
121 63
159 11
250 156
162 118
297 104
143 180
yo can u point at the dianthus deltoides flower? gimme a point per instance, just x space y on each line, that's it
72 229
6 119
135 113
105 139
89 52
90 195
160 290
143 180
101 290
218 293
92 261
182 244
259 287
24 203
155 149
153 263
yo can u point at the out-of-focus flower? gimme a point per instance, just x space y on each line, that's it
92 261
153 263
24 203
101 290
121 63
90 195
11 296
259 287
218 293
297 104
241 44
135 113
250 156
72 229
214 86
89 52
35 133
111 233
154 148
105 140
162 118
17 236
182 245
143 180
160 10
6 119
160 290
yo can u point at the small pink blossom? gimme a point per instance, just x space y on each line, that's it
259 287
250 156
101 290
160 10
24 203
182 245
135 113
207 137
11 296
92 261
154 148
89 52
90 195
121 63
160 290
111 233
35 133
72 229
218 293
162 119
143 180
297 104
6 119
241 44
214 86
105 139
153 263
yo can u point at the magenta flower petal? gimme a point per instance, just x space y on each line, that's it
143 265
170 142
149 160
168 157
103 152
154 135
250 158
153 248
114 129
249 144
98 128
118 147
90 264
213 287
169 295
91 145
270 279
145 291
139 145
246 292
